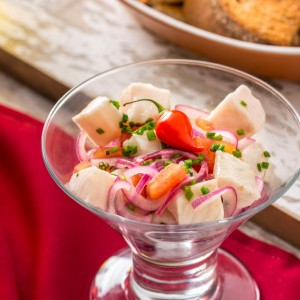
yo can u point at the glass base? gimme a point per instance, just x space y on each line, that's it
112 280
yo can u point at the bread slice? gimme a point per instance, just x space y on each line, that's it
275 22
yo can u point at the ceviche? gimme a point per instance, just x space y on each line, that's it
143 160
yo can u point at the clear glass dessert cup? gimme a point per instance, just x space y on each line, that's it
176 261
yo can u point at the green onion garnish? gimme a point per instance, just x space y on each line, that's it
188 193
151 135
237 153
267 154
129 150
99 130
131 207
216 147
240 131
213 136
265 165
112 150
167 162
115 103
243 103
204 190
103 166
259 167
146 162
124 118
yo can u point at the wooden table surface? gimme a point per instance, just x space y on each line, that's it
51 45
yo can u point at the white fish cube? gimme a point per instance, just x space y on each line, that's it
139 112
239 110
231 171
253 155
210 210
100 119
144 146
92 186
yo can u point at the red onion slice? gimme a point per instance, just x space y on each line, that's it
203 172
142 202
123 163
141 170
229 196
228 136
260 184
142 183
166 153
137 215
80 146
245 142
192 112
118 185
186 181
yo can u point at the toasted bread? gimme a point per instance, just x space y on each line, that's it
275 22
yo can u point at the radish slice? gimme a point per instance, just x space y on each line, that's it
166 153
123 210
80 146
192 112
228 136
245 142
229 196
186 181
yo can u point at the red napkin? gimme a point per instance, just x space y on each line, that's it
51 248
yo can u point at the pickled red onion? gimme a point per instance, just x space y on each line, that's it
229 199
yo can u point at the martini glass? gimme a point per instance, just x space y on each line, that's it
176 261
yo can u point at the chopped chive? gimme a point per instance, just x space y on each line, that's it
129 150
77 174
151 135
204 190
176 155
259 167
188 193
243 103
112 150
146 162
149 120
194 181
99 130
237 153
267 154
188 163
240 131
213 136
265 165
167 162
124 118
131 207
103 166
216 147
210 134
131 124
115 103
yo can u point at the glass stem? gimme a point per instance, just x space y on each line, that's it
189 280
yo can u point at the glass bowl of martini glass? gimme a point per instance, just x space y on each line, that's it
176 261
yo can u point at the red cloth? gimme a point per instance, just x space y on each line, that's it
51 248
